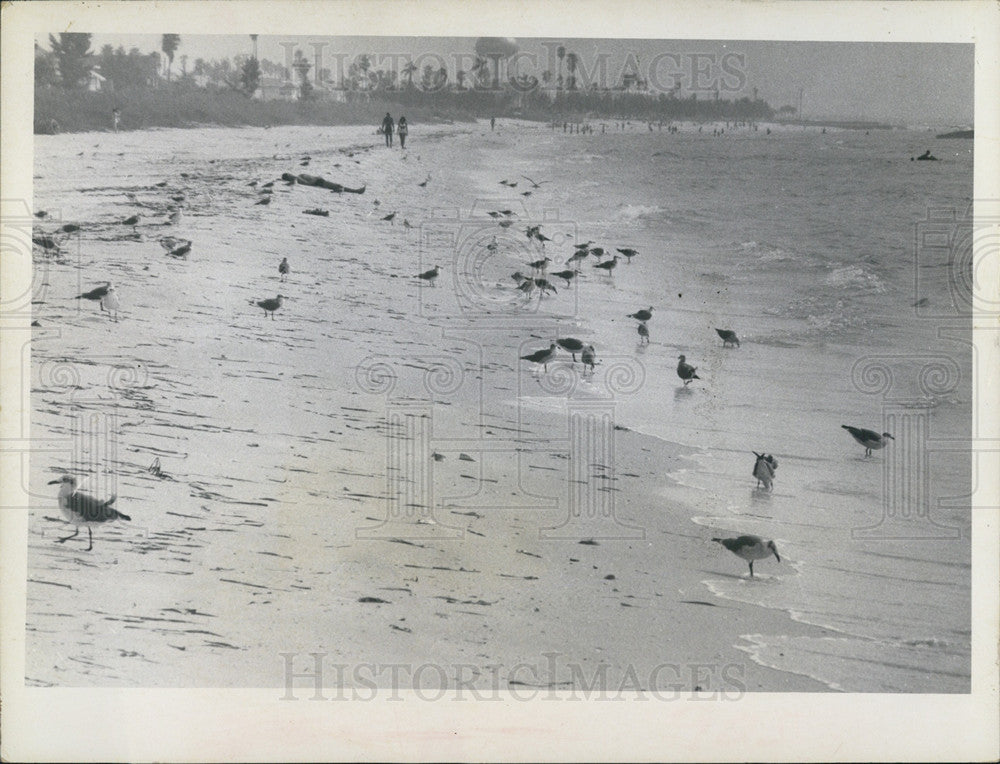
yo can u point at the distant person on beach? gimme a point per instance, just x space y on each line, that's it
53 126
402 129
926 156
493 123
116 117
387 127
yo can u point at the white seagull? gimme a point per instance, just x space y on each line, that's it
870 439
750 548
80 509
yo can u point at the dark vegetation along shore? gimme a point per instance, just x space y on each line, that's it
78 89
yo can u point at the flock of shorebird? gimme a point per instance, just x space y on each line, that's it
80 508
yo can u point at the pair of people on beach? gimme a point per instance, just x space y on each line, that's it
402 129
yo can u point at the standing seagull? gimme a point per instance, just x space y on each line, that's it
750 548
110 301
270 306
429 275
81 509
541 356
629 254
870 439
686 371
588 357
643 333
96 294
571 344
608 265
728 337
642 315
284 268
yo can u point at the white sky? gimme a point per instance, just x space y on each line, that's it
911 83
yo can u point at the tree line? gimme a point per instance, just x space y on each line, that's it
481 90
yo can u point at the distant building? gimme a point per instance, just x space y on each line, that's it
95 81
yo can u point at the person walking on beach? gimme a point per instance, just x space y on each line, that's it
493 123
402 129
387 128
116 117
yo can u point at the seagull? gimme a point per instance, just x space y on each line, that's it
608 265
527 285
570 344
390 217
132 221
566 275
176 247
429 275
686 371
541 356
96 294
545 286
629 254
750 548
870 439
642 315
643 333
597 251
763 469
69 228
584 245
519 277
110 302
579 255
540 265
270 306
283 268
728 337
587 357
533 183
265 200
81 509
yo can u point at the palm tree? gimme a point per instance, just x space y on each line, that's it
169 46
408 71
571 61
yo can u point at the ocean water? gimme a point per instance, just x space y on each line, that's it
805 244
808 245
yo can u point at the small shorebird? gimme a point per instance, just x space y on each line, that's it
870 439
588 357
284 268
429 276
629 254
96 294
608 265
545 286
643 333
132 221
540 265
750 548
110 301
686 371
541 356
570 344
80 509
270 305
728 337
390 217
642 315
176 247
763 469
566 275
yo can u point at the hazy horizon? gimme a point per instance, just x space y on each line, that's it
898 83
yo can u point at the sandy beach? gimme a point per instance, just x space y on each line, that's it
375 475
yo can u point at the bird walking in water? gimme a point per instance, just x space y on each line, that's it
284 268
270 305
870 439
686 371
750 548
642 315
96 294
429 276
81 509
110 301
643 333
763 469
541 356
728 337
